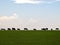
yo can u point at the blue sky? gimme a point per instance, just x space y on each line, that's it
30 13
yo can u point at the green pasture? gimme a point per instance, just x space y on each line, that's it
29 37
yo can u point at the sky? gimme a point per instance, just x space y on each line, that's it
30 14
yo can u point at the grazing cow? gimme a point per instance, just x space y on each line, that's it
18 29
8 29
43 29
25 28
34 29
13 29
46 28
51 29
57 29
3 29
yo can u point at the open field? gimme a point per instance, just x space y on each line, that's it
29 37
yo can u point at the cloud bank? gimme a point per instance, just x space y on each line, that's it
14 21
34 1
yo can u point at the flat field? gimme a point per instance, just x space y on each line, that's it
29 37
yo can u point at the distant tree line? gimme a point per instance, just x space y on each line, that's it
44 29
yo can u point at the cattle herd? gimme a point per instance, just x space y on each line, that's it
28 29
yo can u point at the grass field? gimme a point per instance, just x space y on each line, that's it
29 37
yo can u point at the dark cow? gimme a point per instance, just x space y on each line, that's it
43 29
8 29
46 28
25 28
34 29
51 29
18 29
57 29
3 29
13 29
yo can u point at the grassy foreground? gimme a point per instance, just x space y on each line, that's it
29 37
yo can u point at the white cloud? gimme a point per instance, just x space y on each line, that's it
34 1
14 16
